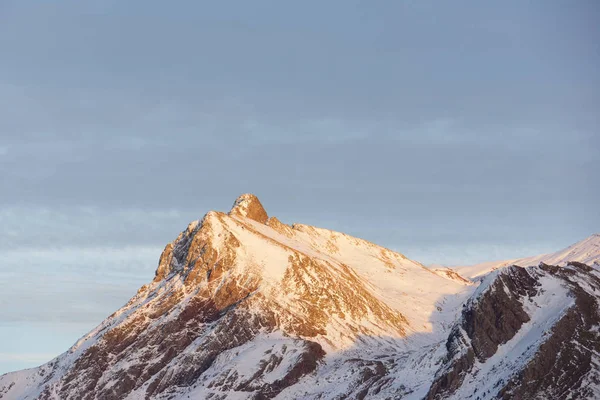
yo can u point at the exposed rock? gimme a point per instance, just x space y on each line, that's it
486 322
566 361
280 227
451 274
567 364
499 313
453 375
240 309
248 205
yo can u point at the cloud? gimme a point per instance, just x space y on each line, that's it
71 285
30 358
474 253
42 227
440 131
28 344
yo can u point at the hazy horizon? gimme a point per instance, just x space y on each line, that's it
453 133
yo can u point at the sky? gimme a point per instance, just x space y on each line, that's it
453 132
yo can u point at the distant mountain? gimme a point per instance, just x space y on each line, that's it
243 306
586 251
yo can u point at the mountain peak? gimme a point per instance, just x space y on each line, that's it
248 310
248 205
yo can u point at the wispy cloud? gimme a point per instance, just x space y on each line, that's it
33 358
71 285
41 228
449 255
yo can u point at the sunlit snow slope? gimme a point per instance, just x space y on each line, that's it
243 306
586 251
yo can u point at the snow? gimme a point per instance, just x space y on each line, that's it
545 309
586 251
404 285
431 302
243 359
19 383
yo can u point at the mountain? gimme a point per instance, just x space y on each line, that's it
586 251
243 306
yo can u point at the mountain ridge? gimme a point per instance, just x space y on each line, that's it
586 251
244 306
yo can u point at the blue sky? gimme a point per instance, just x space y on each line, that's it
453 132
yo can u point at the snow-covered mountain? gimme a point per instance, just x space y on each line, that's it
243 306
586 251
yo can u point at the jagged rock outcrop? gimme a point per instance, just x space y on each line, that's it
567 364
449 273
248 206
244 306
486 322
556 362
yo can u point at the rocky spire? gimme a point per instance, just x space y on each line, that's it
248 205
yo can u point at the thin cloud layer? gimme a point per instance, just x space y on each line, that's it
71 285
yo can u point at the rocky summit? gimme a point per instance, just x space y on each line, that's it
243 306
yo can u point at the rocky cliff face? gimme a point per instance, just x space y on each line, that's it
244 306
526 333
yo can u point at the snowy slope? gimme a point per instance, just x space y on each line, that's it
246 271
243 306
586 251
525 333
544 310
